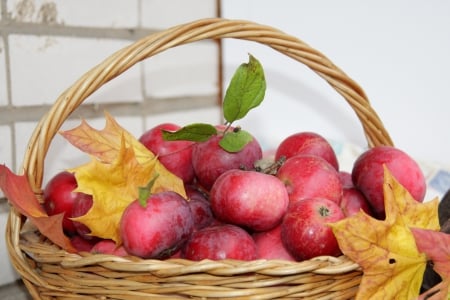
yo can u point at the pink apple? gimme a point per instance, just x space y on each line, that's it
354 201
250 199
108 247
305 232
269 245
59 197
157 229
176 156
309 176
346 179
368 175
210 160
307 143
220 242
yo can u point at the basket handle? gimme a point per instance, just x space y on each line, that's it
215 28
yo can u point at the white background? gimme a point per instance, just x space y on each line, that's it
398 51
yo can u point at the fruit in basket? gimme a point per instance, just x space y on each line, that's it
108 247
249 199
81 244
306 142
59 197
368 175
346 179
305 231
200 208
210 160
80 207
269 245
353 201
220 242
176 156
309 176
157 227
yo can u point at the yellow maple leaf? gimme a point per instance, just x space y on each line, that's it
119 166
105 144
385 249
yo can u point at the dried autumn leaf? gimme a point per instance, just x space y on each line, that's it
386 250
436 246
105 144
18 191
113 187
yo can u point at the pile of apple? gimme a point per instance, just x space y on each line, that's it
242 205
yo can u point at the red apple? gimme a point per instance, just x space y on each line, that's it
80 208
82 244
346 179
200 208
176 156
309 176
157 229
220 242
59 197
368 175
354 201
250 199
307 143
108 247
210 160
269 245
304 231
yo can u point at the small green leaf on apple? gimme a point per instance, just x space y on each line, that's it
234 141
197 132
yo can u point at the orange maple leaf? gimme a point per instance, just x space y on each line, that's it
18 191
119 166
386 250
105 144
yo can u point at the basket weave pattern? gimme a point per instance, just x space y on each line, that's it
51 273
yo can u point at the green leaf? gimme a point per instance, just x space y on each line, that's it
146 191
234 141
197 132
246 90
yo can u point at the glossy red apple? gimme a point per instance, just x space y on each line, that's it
310 143
176 156
304 231
210 160
220 242
254 200
309 176
269 245
368 175
354 201
59 197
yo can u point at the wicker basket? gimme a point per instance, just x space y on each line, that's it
51 273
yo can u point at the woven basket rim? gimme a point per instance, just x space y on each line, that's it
25 253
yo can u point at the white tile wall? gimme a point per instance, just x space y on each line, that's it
76 13
115 13
158 14
8 272
3 86
45 66
182 71
5 148
211 115
42 66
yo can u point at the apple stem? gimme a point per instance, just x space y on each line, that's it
273 168
324 211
